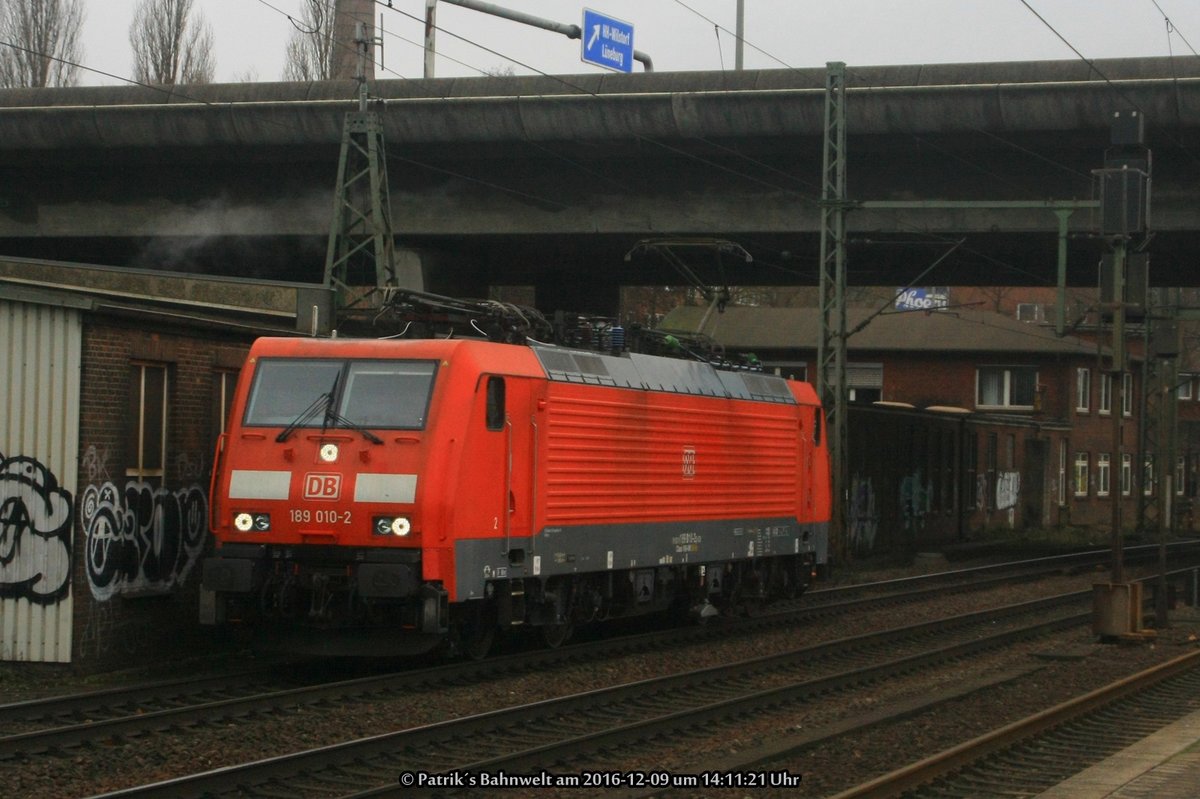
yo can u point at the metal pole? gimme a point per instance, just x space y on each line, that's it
1167 451
1060 305
570 31
739 48
430 35
1118 410
831 346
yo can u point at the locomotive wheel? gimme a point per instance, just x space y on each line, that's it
555 635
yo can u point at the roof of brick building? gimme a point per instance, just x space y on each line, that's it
959 330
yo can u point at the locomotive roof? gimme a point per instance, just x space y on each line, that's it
654 373
628 370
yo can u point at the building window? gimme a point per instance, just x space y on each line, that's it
1030 312
147 442
1081 474
790 370
1126 475
224 385
1127 394
1102 474
1105 405
1006 387
1148 476
1062 472
864 396
1184 390
1083 389
1180 476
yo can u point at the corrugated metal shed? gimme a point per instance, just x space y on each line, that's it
40 350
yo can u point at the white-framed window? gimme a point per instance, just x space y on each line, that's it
147 431
224 384
1083 390
1103 461
1148 476
1030 312
1126 474
1183 391
1126 394
1105 403
1180 476
1081 474
1006 387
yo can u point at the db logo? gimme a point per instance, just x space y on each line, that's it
689 462
322 486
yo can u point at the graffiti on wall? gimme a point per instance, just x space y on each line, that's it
916 496
93 466
1008 490
141 539
35 532
863 516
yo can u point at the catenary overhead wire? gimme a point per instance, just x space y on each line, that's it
924 142
935 237
1119 90
708 162
1171 28
174 91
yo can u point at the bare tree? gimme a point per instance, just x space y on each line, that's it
324 45
170 44
311 47
41 42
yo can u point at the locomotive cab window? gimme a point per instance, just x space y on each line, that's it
333 393
387 393
495 403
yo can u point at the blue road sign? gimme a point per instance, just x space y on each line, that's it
607 42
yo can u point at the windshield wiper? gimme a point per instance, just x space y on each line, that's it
332 417
321 401
337 418
325 403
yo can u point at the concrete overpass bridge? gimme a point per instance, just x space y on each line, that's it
550 181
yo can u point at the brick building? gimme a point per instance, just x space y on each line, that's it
1038 430
116 384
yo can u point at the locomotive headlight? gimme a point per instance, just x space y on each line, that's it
329 453
257 522
391 525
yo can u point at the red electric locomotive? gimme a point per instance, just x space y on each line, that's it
410 492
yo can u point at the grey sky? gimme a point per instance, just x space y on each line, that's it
250 35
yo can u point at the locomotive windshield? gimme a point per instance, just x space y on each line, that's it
334 393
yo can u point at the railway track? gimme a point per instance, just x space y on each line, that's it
623 719
58 723
1034 754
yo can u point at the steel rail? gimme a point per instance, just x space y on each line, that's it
181 703
603 717
923 772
